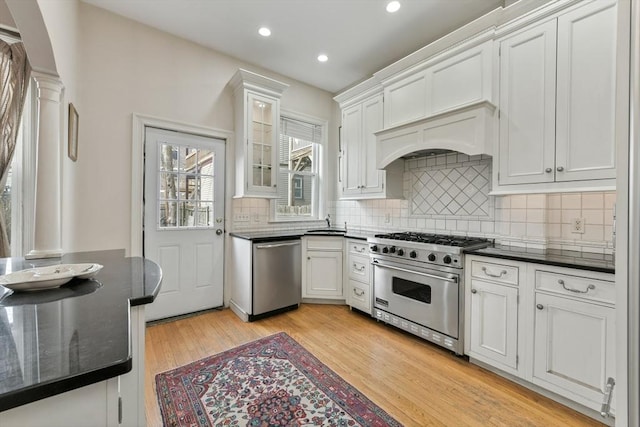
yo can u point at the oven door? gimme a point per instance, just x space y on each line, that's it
423 296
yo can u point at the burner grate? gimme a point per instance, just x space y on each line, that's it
438 239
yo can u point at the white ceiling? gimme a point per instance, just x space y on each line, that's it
359 36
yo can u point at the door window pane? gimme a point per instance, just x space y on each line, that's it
185 190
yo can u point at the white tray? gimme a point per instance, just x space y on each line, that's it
48 277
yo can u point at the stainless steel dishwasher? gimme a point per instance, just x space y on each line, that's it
277 277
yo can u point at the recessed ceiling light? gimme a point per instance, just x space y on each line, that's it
393 6
323 58
264 32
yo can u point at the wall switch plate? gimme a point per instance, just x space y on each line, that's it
577 225
387 218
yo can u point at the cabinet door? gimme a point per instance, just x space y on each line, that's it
574 344
373 179
262 134
494 322
527 106
323 274
585 140
405 100
351 149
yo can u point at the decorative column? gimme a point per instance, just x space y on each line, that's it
47 226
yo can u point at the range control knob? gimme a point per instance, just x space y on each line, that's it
446 259
401 252
385 250
392 249
374 248
413 254
431 257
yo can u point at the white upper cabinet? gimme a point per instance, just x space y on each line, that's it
586 94
557 99
450 81
257 110
527 105
359 176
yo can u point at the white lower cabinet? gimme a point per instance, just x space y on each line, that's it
553 327
357 276
494 323
322 267
573 348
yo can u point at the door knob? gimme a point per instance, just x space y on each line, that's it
559 168
539 306
474 291
219 231
548 170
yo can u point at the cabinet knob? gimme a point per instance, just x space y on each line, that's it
548 170
560 168
539 306
474 291
308 257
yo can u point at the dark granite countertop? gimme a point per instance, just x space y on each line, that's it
571 259
56 340
276 235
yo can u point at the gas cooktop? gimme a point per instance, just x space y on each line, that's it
436 239
435 249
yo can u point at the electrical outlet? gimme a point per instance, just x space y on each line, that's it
387 218
241 217
577 225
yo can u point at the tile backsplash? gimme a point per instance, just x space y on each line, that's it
533 220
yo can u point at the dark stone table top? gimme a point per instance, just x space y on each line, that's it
560 258
56 340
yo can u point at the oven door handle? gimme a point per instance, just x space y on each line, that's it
446 279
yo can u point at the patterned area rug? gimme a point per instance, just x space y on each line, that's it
273 381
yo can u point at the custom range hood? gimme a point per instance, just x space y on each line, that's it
468 129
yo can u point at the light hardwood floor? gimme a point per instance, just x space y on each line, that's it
416 382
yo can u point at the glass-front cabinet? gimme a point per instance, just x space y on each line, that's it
262 140
257 121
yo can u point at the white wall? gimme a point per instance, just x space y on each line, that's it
125 67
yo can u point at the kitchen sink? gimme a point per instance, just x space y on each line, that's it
327 231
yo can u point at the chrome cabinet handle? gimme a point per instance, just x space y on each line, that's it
485 271
474 291
577 291
560 168
539 306
361 250
606 399
548 170
358 294
355 267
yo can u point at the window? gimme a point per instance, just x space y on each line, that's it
299 162
185 198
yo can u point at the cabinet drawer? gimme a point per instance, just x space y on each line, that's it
356 247
324 243
359 296
359 268
576 286
497 273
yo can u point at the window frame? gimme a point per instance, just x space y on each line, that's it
319 201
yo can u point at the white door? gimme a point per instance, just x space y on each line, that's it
371 122
527 106
574 348
586 97
184 220
494 322
351 147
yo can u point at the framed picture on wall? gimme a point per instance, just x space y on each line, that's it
73 133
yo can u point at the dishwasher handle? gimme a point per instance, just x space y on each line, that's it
277 245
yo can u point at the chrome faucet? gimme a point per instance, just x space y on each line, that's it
328 219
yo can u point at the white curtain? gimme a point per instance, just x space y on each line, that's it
14 81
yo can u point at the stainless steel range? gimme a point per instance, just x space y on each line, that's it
418 284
